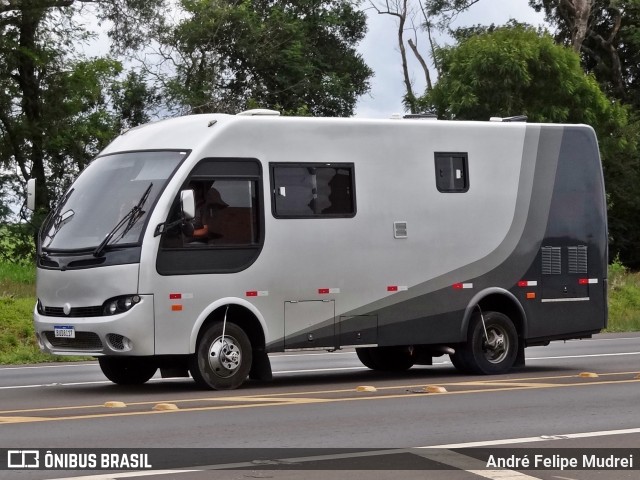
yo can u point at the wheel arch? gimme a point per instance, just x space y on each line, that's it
240 312
497 300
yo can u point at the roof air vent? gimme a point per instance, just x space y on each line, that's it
421 116
256 112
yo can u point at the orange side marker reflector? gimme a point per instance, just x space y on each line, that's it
531 295
176 308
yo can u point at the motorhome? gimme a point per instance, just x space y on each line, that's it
198 245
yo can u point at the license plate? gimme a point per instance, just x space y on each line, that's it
64 331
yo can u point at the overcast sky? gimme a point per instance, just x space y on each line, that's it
380 52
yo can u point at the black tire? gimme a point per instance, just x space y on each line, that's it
128 370
364 355
458 360
212 370
498 354
389 359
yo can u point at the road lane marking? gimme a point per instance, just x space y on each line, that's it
111 476
542 438
585 356
472 465
33 367
22 419
292 398
315 370
437 453
320 370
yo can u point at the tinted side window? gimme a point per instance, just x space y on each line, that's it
452 172
313 190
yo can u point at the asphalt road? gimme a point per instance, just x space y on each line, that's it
314 403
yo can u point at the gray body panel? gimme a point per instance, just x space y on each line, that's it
332 282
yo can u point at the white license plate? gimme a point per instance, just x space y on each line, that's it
64 331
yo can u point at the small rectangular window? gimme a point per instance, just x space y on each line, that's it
452 172
313 190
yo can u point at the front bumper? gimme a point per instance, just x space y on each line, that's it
129 333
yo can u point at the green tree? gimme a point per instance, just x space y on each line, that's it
513 71
606 34
55 113
517 70
296 56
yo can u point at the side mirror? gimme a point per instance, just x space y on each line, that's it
31 194
188 204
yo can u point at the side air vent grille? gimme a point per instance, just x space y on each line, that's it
551 260
400 229
577 259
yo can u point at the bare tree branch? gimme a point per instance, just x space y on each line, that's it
398 9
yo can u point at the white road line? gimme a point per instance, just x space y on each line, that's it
318 370
437 453
288 372
110 476
473 465
35 367
543 438
584 356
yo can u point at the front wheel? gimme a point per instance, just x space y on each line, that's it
222 363
128 370
492 347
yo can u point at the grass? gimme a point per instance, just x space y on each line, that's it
624 299
17 299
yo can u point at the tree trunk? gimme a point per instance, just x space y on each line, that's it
29 84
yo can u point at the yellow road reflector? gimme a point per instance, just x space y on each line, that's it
588 375
115 404
435 389
366 388
165 407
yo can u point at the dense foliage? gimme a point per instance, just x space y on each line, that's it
59 107
294 56
517 70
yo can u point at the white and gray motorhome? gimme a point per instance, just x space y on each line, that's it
200 244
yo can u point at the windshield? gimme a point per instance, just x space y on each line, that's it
104 194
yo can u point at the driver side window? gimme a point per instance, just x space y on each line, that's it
226 230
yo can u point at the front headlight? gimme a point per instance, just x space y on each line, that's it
117 305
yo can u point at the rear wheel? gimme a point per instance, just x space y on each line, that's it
128 370
393 359
493 351
222 363
458 361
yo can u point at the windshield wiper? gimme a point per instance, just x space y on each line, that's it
129 220
57 219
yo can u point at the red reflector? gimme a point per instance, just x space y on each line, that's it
457 286
392 288
522 283
175 296
323 291
583 281
252 294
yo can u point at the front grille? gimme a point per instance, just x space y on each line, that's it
75 312
87 341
